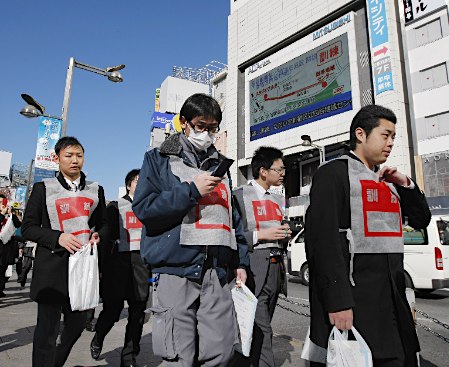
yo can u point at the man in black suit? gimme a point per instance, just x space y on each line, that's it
62 215
124 276
354 243
262 215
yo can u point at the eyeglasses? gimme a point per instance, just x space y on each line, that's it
201 128
281 171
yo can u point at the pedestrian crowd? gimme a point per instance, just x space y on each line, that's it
183 239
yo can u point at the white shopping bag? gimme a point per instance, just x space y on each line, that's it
342 352
8 272
245 304
312 352
84 285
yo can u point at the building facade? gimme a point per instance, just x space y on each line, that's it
305 68
426 41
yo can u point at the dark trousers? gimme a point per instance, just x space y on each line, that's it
27 262
111 314
2 276
45 351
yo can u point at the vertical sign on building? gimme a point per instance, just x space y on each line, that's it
49 133
416 9
380 46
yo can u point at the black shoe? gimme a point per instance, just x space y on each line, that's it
90 326
2 294
95 348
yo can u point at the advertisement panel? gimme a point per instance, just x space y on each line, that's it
159 120
416 9
20 197
311 87
49 133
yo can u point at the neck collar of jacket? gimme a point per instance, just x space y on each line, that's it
64 183
174 146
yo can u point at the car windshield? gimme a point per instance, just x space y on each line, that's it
443 231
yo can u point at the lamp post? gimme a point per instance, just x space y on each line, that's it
34 109
307 142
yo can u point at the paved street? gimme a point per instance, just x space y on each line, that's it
18 318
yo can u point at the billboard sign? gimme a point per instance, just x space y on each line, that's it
159 120
49 133
311 87
416 9
20 197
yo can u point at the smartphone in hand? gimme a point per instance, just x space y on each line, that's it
222 168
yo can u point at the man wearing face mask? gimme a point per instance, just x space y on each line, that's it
192 237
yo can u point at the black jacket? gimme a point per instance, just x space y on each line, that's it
50 272
378 300
123 273
9 250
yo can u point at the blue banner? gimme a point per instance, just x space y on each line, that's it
329 107
377 22
40 174
159 120
47 137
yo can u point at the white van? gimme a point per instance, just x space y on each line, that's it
426 256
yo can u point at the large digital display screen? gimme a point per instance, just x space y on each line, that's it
310 87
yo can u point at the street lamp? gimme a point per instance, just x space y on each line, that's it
307 142
34 109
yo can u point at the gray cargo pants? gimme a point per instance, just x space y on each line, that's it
194 324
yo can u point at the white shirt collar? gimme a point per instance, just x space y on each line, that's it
70 183
260 190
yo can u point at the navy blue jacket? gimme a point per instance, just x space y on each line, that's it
161 201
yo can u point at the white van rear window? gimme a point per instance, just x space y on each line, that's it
443 231
413 236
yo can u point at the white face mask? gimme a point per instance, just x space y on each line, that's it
201 140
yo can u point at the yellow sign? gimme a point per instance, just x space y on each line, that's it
16 205
177 123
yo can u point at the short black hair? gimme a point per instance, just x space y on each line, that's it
200 104
368 118
67 141
130 176
264 157
2 196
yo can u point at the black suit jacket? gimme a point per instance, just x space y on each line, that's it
50 271
379 293
123 274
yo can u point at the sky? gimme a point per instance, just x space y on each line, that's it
111 120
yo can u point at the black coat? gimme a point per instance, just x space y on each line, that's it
378 300
123 273
50 271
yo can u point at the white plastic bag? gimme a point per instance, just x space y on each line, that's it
245 304
342 352
84 285
312 352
